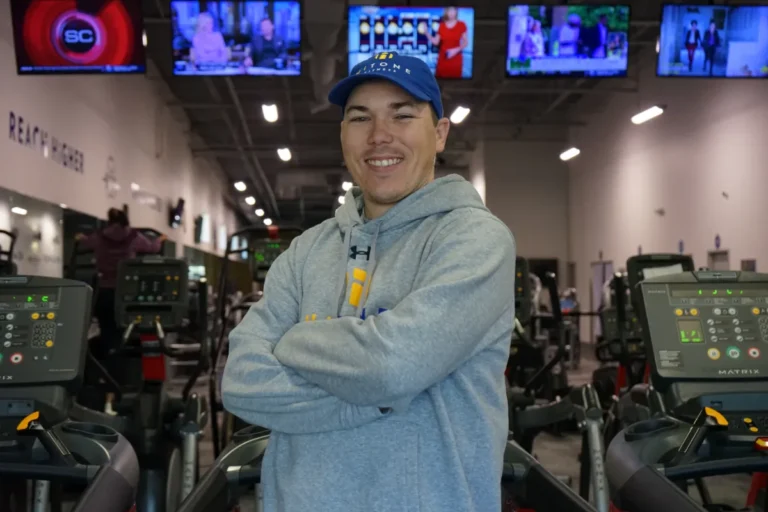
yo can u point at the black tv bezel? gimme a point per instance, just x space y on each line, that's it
246 76
19 38
560 76
403 6
699 77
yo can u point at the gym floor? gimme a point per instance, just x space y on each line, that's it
558 454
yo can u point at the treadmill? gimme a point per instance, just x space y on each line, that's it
706 335
43 328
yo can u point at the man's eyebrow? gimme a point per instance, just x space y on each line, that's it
357 107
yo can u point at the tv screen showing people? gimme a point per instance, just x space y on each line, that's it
69 37
443 37
236 37
713 41
567 40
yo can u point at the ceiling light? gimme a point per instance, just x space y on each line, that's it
270 113
18 210
346 185
135 187
62 206
647 115
250 200
569 153
144 38
284 154
341 199
267 221
259 212
459 115
240 186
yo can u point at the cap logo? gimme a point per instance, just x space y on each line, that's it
384 56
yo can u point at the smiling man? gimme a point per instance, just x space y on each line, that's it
377 354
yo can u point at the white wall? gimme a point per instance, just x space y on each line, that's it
527 188
122 118
38 248
710 140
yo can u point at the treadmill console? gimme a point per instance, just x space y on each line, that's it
43 325
151 290
707 325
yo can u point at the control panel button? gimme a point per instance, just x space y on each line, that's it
694 312
754 429
679 312
747 420
713 354
9 327
739 338
755 311
737 330
733 352
718 311
732 311
49 343
35 316
16 358
736 321
50 316
754 352
10 316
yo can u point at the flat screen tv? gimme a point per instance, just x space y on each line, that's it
713 41
240 37
567 40
77 36
443 37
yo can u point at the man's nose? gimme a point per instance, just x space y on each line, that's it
380 132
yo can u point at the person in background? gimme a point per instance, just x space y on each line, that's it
692 41
208 46
112 244
452 39
711 42
267 49
533 44
597 39
570 36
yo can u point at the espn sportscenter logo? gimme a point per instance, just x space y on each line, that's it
78 37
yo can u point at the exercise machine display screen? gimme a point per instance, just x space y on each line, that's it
43 325
704 330
152 290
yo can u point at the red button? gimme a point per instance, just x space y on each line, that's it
16 358
754 353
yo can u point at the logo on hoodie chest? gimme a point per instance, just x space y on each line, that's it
356 286
354 252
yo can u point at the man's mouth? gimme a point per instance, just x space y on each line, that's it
383 163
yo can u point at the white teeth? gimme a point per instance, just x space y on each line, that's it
385 163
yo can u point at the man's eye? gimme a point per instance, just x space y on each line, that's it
403 116
357 119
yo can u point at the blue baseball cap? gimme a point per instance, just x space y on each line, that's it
410 73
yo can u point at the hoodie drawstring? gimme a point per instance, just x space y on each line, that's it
371 269
343 277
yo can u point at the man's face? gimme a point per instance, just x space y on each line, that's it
389 141
267 28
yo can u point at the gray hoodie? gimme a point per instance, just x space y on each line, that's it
377 359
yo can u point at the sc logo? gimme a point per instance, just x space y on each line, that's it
78 36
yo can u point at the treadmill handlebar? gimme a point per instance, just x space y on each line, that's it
630 479
109 492
210 493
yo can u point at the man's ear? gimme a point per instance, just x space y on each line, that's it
441 133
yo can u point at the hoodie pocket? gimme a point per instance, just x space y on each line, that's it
374 468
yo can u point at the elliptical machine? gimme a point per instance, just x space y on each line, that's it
151 300
44 323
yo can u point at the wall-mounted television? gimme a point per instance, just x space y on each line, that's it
76 37
567 40
241 37
443 37
713 41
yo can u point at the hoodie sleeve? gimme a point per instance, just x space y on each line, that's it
463 291
259 389
143 244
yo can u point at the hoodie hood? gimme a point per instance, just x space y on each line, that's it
116 232
438 197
